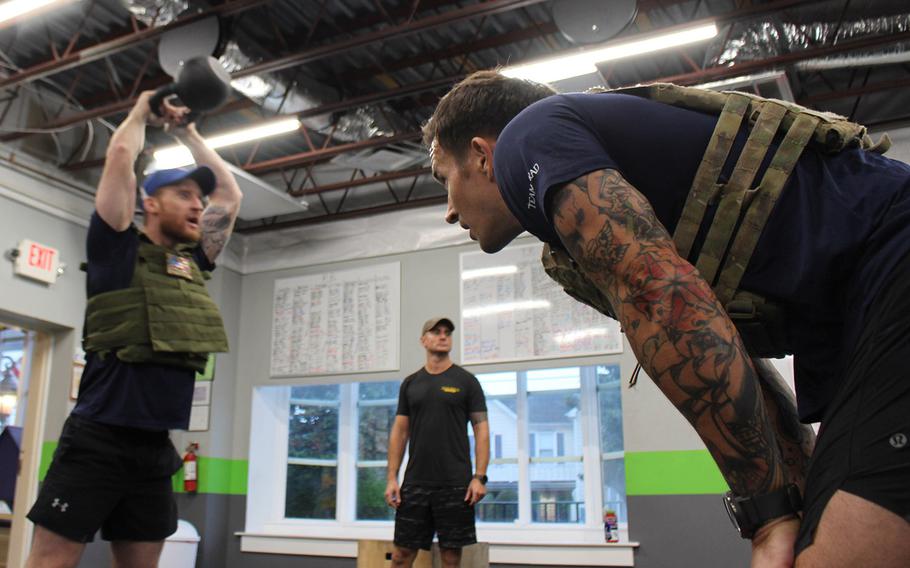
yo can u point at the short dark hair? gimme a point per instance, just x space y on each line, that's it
482 104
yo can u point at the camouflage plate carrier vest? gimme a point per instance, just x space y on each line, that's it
741 212
159 318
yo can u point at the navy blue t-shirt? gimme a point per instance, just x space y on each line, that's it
138 395
840 225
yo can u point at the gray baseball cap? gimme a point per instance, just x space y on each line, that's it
433 322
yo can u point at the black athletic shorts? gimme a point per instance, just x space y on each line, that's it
426 510
114 478
863 446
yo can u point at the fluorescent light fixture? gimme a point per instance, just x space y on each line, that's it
15 8
176 156
505 307
573 336
487 272
583 62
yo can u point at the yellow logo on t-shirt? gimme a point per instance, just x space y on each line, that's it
451 390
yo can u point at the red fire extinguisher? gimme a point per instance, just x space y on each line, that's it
190 473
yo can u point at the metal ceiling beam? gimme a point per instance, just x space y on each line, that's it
278 225
498 40
407 90
873 88
108 48
123 106
303 158
446 18
453 15
724 71
359 182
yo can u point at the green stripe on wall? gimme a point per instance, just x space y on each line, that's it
690 472
47 454
217 475
673 473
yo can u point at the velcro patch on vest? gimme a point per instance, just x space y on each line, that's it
179 266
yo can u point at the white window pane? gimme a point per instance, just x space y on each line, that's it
613 472
501 502
371 505
614 487
554 422
557 492
553 379
311 492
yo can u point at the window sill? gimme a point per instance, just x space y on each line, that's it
530 546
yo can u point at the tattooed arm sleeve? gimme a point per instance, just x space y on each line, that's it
224 202
678 330
796 440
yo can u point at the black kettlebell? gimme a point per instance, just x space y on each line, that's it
202 85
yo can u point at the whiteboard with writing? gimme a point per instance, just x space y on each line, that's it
511 310
337 322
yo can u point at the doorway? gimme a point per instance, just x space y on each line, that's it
24 372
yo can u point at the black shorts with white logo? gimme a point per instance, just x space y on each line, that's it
428 510
863 446
112 478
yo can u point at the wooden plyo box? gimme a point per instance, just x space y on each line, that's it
378 554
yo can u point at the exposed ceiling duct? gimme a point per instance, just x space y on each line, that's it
773 38
270 91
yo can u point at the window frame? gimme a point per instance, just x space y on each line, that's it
263 523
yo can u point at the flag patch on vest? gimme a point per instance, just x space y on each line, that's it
179 266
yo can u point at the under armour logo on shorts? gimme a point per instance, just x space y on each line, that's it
898 440
62 506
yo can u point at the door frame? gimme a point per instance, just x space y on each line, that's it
32 441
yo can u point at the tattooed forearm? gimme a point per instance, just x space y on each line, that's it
796 440
217 222
677 328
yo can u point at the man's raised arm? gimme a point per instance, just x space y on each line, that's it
223 203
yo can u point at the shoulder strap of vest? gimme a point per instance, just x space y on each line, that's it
705 183
734 191
772 184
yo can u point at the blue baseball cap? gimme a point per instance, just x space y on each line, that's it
203 175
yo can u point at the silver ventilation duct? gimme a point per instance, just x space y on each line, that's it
269 91
767 39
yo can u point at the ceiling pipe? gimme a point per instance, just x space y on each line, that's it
380 178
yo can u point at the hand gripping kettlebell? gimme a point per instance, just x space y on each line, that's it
202 85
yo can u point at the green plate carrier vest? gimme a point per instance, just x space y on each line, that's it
159 318
741 212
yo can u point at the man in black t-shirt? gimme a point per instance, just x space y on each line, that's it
439 492
113 465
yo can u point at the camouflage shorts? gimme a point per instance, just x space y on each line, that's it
428 510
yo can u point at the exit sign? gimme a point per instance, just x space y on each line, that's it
37 261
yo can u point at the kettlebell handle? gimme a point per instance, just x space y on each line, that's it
159 96
165 92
